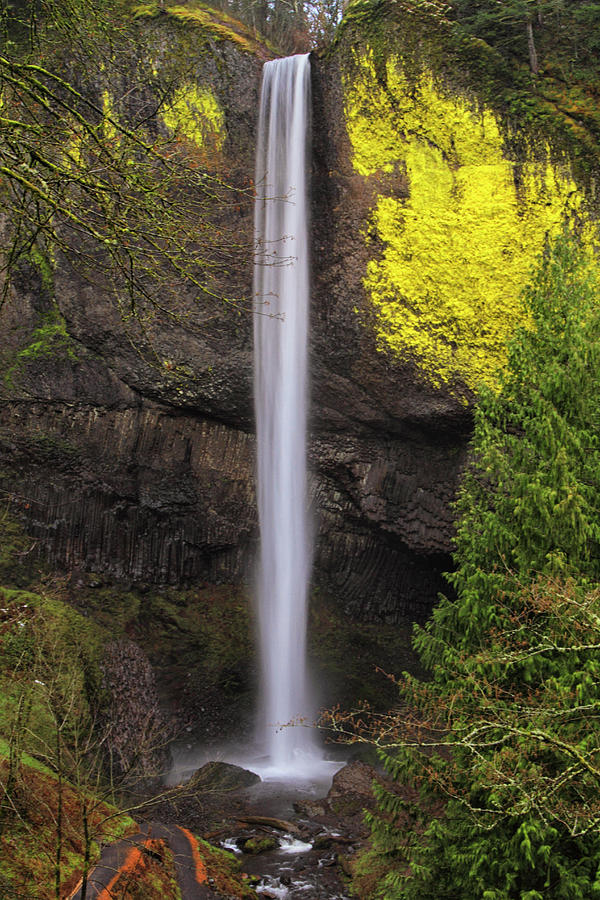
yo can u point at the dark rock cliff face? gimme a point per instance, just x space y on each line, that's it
142 468
388 448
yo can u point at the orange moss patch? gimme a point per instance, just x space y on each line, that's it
198 861
148 873
132 866
29 840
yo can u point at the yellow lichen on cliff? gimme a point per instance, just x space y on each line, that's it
108 109
455 253
195 114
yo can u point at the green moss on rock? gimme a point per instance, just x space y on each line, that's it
259 845
458 249
50 340
465 199
195 114
216 23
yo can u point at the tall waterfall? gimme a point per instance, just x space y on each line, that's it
281 287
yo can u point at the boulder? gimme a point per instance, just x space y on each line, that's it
218 777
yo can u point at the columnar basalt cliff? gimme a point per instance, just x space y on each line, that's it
129 450
132 452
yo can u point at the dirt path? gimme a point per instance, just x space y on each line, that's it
122 857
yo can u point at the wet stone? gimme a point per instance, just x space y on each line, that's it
221 776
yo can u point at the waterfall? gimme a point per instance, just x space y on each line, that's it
281 288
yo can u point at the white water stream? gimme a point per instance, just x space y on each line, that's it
281 288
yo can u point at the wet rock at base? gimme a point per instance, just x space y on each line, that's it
310 808
221 776
352 789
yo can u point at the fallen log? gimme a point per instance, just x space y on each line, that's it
278 824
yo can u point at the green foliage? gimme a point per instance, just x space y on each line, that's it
46 647
503 740
529 501
88 174
564 32
559 113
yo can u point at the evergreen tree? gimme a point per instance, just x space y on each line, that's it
507 23
503 742
530 501
559 32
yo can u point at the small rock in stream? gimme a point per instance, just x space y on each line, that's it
309 808
259 845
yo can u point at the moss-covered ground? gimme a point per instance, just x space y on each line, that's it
217 23
30 835
222 869
54 782
49 658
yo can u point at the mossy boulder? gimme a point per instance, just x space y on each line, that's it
255 845
221 776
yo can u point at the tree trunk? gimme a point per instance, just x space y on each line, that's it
87 842
533 60
59 816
